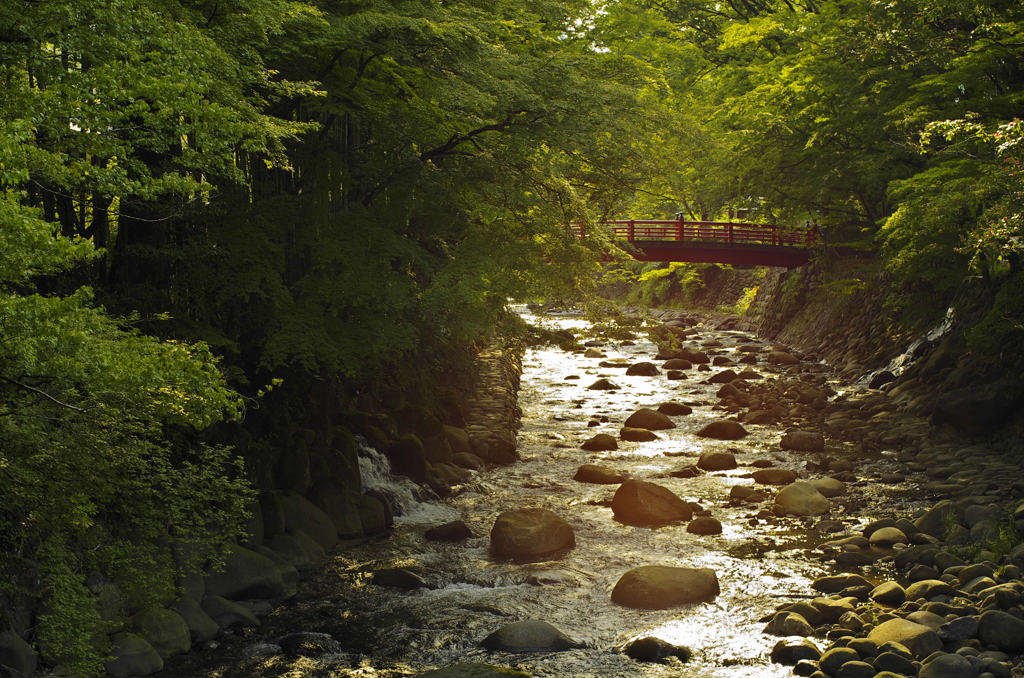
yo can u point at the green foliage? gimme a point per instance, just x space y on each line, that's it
1003 322
742 304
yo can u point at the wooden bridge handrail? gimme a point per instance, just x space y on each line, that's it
679 230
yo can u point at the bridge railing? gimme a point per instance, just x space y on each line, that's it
703 231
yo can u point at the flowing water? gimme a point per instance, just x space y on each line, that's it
760 562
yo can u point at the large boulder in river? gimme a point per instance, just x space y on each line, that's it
716 461
774 476
724 377
599 475
828 487
693 355
978 410
529 635
802 499
602 442
659 587
803 441
674 409
604 385
652 420
530 532
638 435
638 502
723 430
643 370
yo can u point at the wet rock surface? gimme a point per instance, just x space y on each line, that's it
843 576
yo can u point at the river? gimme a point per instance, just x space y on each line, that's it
761 561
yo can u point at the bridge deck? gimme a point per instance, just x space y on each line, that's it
711 242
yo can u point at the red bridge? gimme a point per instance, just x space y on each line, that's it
713 242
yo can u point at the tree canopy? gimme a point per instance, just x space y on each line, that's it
198 197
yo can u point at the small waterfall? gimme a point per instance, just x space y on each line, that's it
915 350
405 496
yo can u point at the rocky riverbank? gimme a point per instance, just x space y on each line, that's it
953 607
947 572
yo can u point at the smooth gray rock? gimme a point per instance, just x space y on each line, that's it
651 649
132 656
890 661
1002 630
246 574
948 666
659 587
977 410
201 626
802 499
789 653
164 629
638 502
774 476
602 442
788 624
937 520
723 430
530 635
227 614
888 593
17 654
856 669
652 420
920 640
803 441
288 572
836 657
398 578
599 475
716 461
302 514
928 589
530 532
287 547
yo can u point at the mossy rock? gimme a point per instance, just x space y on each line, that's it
355 421
385 423
372 514
344 465
452 474
407 457
318 467
458 439
344 440
273 514
418 420
437 450
335 498
294 468
375 438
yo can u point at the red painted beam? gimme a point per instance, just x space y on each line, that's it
737 254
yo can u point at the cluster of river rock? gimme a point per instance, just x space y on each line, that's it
953 607
936 592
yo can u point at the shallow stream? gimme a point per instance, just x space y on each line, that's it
761 562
